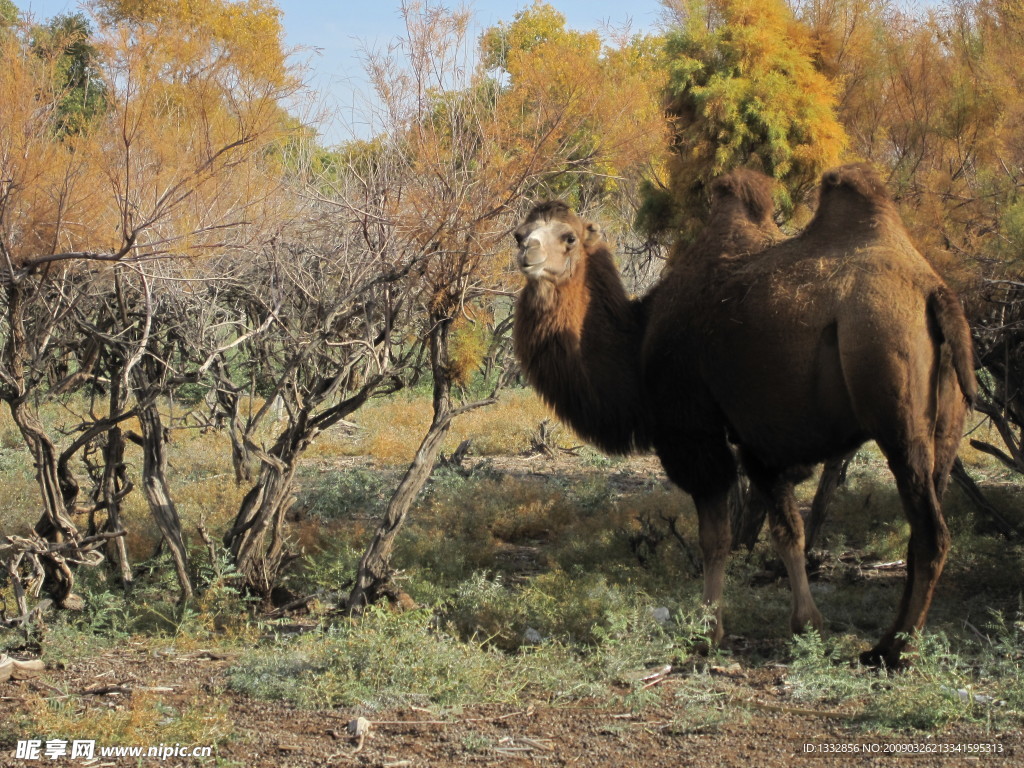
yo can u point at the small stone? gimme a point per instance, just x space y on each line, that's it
532 637
661 614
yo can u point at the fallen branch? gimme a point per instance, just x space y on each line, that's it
33 551
982 504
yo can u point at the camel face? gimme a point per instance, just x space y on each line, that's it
551 241
547 250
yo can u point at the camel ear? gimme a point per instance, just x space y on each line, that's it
592 234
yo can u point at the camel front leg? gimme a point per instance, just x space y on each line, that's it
715 542
787 528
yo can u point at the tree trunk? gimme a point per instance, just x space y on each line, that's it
113 488
748 510
228 398
263 509
262 512
373 576
55 524
157 491
981 503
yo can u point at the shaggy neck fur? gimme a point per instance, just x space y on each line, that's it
579 345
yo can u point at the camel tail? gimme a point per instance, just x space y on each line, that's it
948 313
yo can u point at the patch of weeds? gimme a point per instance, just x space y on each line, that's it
381 660
940 687
14 729
143 719
329 570
702 705
595 459
111 616
601 634
937 690
105 621
220 608
575 611
476 742
822 670
1001 659
344 494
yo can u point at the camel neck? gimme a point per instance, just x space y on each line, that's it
579 344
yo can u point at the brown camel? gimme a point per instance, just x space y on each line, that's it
796 355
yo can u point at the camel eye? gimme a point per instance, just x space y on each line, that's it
570 238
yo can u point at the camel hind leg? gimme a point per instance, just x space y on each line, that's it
926 554
921 477
920 445
902 393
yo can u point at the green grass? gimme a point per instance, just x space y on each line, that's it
536 584
419 658
974 682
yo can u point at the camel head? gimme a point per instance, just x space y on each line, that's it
552 241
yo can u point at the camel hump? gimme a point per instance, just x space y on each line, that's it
859 178
550 210
949 315
743 192
593 235
854 194
742 218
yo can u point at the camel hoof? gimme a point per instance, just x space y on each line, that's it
802 627
881 658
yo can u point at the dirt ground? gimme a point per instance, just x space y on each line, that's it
756 725
752 724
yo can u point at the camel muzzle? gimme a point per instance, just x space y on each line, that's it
531 258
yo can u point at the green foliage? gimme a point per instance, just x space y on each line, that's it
744 91
387 659
382 660
1013 228
609 622
344 494
532 27
944 684
8 14
83 94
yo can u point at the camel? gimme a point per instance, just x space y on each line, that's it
795 351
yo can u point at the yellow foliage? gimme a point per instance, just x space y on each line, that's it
469 341
745 91
176 161
144 719
43 204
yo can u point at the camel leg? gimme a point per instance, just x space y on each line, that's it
706 469
715 542
926 556
787 529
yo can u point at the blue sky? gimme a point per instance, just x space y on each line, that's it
332 33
